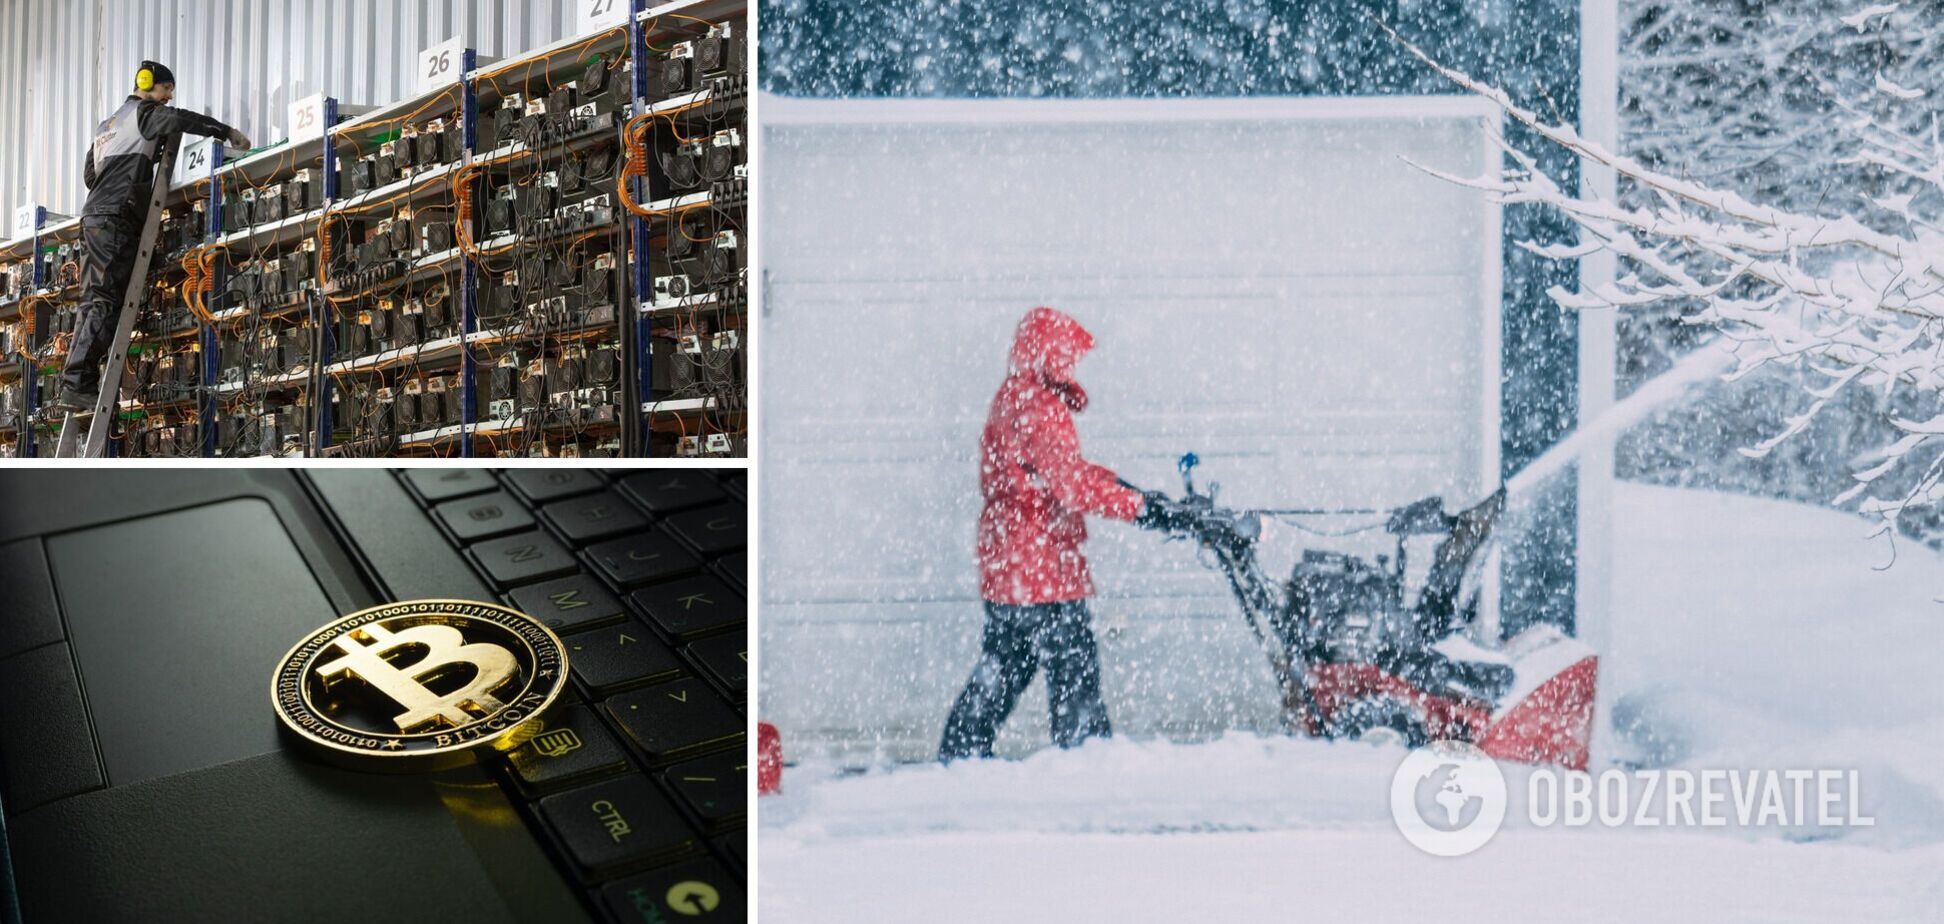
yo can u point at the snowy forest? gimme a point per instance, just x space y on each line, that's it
1827 114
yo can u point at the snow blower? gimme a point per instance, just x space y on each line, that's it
1354 660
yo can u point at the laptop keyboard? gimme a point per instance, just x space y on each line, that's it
638 786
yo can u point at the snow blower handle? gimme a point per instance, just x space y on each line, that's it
1215 527
1164 514
1196 517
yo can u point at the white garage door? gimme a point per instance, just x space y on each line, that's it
1269 283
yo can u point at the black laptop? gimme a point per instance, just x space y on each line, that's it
142 773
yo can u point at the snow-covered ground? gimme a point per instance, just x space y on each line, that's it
1748 634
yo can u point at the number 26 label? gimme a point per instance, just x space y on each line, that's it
440 64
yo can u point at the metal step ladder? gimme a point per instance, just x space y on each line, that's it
102 419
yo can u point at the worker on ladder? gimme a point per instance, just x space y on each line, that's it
120 175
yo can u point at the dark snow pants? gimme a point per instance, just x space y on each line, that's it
1018 641
110 245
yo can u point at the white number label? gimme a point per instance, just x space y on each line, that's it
23 223
596 15
193 163
307 119
439 65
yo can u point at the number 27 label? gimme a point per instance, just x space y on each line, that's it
600 14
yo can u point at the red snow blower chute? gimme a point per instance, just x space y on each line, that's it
1354 660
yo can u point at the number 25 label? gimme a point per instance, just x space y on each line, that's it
307 119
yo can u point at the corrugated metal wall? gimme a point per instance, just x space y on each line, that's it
65 63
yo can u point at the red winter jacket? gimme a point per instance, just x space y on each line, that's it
1034 481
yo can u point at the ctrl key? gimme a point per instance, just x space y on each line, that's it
699 891
616 825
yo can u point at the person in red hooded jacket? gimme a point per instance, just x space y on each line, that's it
1034 579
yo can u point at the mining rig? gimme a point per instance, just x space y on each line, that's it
546 257
22 302
40 287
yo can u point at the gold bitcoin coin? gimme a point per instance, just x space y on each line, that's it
420 684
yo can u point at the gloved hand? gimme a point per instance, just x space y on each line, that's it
1159 513
238 140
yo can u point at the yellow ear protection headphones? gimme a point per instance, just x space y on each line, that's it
150 75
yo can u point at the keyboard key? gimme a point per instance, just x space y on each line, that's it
443 484
734 568
713 530
691 607
669 490
524 559
640 558
542 485
738 486
484 516
594 516
574 746
716 787
672 720
699 891
726 657
619 656
569 604
413 560
616 823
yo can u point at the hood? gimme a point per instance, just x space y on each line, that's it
1050 343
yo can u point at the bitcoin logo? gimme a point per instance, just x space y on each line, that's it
420 684
364 659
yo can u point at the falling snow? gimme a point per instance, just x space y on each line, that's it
1277 294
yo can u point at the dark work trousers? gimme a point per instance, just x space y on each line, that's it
111 245
1018 641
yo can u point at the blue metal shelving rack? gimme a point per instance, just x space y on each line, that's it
641 281
327 335
321 397
207 344
30 372
469 270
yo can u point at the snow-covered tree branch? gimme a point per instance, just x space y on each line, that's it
1852 298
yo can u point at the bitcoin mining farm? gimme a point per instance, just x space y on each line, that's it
544 256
